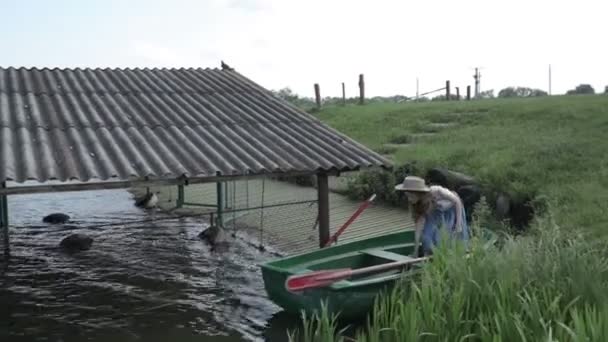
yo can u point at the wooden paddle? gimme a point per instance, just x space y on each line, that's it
358 212
316 279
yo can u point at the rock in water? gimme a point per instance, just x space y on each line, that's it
56 218
76 242
213 235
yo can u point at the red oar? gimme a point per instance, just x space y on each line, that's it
324 278
362 207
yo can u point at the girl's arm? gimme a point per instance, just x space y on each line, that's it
444 193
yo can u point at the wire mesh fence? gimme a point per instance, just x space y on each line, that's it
282 214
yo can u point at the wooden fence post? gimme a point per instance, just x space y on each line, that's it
343 94
323 208
447 90
361 89
318 95
468 92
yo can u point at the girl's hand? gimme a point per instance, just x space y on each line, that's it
458 225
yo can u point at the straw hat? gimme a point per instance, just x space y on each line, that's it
414 184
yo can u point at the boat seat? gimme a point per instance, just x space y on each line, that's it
387 255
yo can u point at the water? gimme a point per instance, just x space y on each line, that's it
154 281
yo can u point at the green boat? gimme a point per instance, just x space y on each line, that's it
352 298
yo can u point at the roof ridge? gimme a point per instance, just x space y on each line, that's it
226 90
60 68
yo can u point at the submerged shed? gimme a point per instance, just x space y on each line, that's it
117 128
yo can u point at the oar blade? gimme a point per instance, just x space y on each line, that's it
316 279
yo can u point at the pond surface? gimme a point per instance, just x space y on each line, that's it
153 281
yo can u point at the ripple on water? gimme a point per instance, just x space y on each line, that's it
150 281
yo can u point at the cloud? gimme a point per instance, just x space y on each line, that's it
157 54
248 5
161 55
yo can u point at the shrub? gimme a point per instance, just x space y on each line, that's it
581 89
521 92
382 183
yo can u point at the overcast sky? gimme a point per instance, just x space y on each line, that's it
280 43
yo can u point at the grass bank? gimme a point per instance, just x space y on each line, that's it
551 285
550 146
548 285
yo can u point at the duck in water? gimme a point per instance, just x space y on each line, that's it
150 200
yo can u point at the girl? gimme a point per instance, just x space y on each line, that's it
432 208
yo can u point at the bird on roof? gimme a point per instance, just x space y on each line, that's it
226 66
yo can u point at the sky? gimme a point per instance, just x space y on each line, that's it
284 43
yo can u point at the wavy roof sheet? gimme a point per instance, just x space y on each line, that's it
126 124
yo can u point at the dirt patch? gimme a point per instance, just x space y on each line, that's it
387 149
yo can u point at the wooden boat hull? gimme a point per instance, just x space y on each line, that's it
352 298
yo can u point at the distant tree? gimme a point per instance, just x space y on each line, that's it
442 97
606 90
288 95
581 89
508 92
488 94
521 92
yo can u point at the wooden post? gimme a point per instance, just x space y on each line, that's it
468 92
343 94
323 206
447 90
318 95
458 93
220 204
4 221
361 89
180 196
226 195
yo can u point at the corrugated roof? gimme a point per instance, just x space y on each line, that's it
83 124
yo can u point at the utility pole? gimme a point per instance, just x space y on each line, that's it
549 79
417 91
477 78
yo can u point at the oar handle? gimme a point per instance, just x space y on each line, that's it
387 266
362 207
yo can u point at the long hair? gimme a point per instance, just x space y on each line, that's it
422 207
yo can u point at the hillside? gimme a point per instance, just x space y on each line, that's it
554 147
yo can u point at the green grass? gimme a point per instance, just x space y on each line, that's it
555 147
551 285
